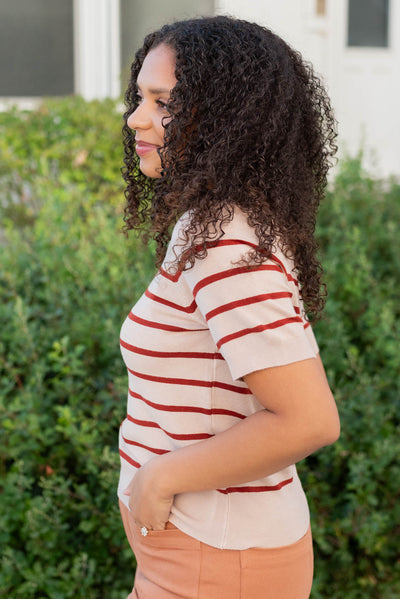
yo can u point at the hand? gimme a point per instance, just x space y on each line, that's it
148 505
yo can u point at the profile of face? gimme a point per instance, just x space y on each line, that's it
155 82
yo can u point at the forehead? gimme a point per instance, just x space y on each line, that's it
158 69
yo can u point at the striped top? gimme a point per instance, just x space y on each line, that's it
187 343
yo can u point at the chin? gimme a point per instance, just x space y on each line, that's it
151 174
150 170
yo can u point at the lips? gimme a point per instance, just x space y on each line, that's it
143 147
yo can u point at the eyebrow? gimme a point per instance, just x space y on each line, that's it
156 91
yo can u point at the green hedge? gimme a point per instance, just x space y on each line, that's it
354 486
67 279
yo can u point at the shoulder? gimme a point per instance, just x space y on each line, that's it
235 225
238 239
239 230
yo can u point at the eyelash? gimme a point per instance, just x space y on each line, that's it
161 103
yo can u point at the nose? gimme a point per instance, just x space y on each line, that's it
139 119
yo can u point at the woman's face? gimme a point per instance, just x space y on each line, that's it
155 82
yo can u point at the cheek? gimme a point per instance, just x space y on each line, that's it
159 125
160 129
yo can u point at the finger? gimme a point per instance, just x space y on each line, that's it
159 526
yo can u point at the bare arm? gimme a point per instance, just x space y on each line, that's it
300 416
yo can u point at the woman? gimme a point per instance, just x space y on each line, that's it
232 133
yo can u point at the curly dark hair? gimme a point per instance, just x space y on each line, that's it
258 132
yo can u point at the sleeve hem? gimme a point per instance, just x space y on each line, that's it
253 363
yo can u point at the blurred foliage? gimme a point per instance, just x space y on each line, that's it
354 486
68 278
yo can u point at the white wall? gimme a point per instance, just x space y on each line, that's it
364 83
366 92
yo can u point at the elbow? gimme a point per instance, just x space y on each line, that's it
332 434
328 431
322 429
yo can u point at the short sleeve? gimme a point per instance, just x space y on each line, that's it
255 315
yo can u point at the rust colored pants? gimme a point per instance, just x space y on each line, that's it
173 565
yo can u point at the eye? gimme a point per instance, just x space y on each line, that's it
138 98
162 104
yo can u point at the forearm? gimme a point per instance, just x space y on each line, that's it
300 416
256 447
